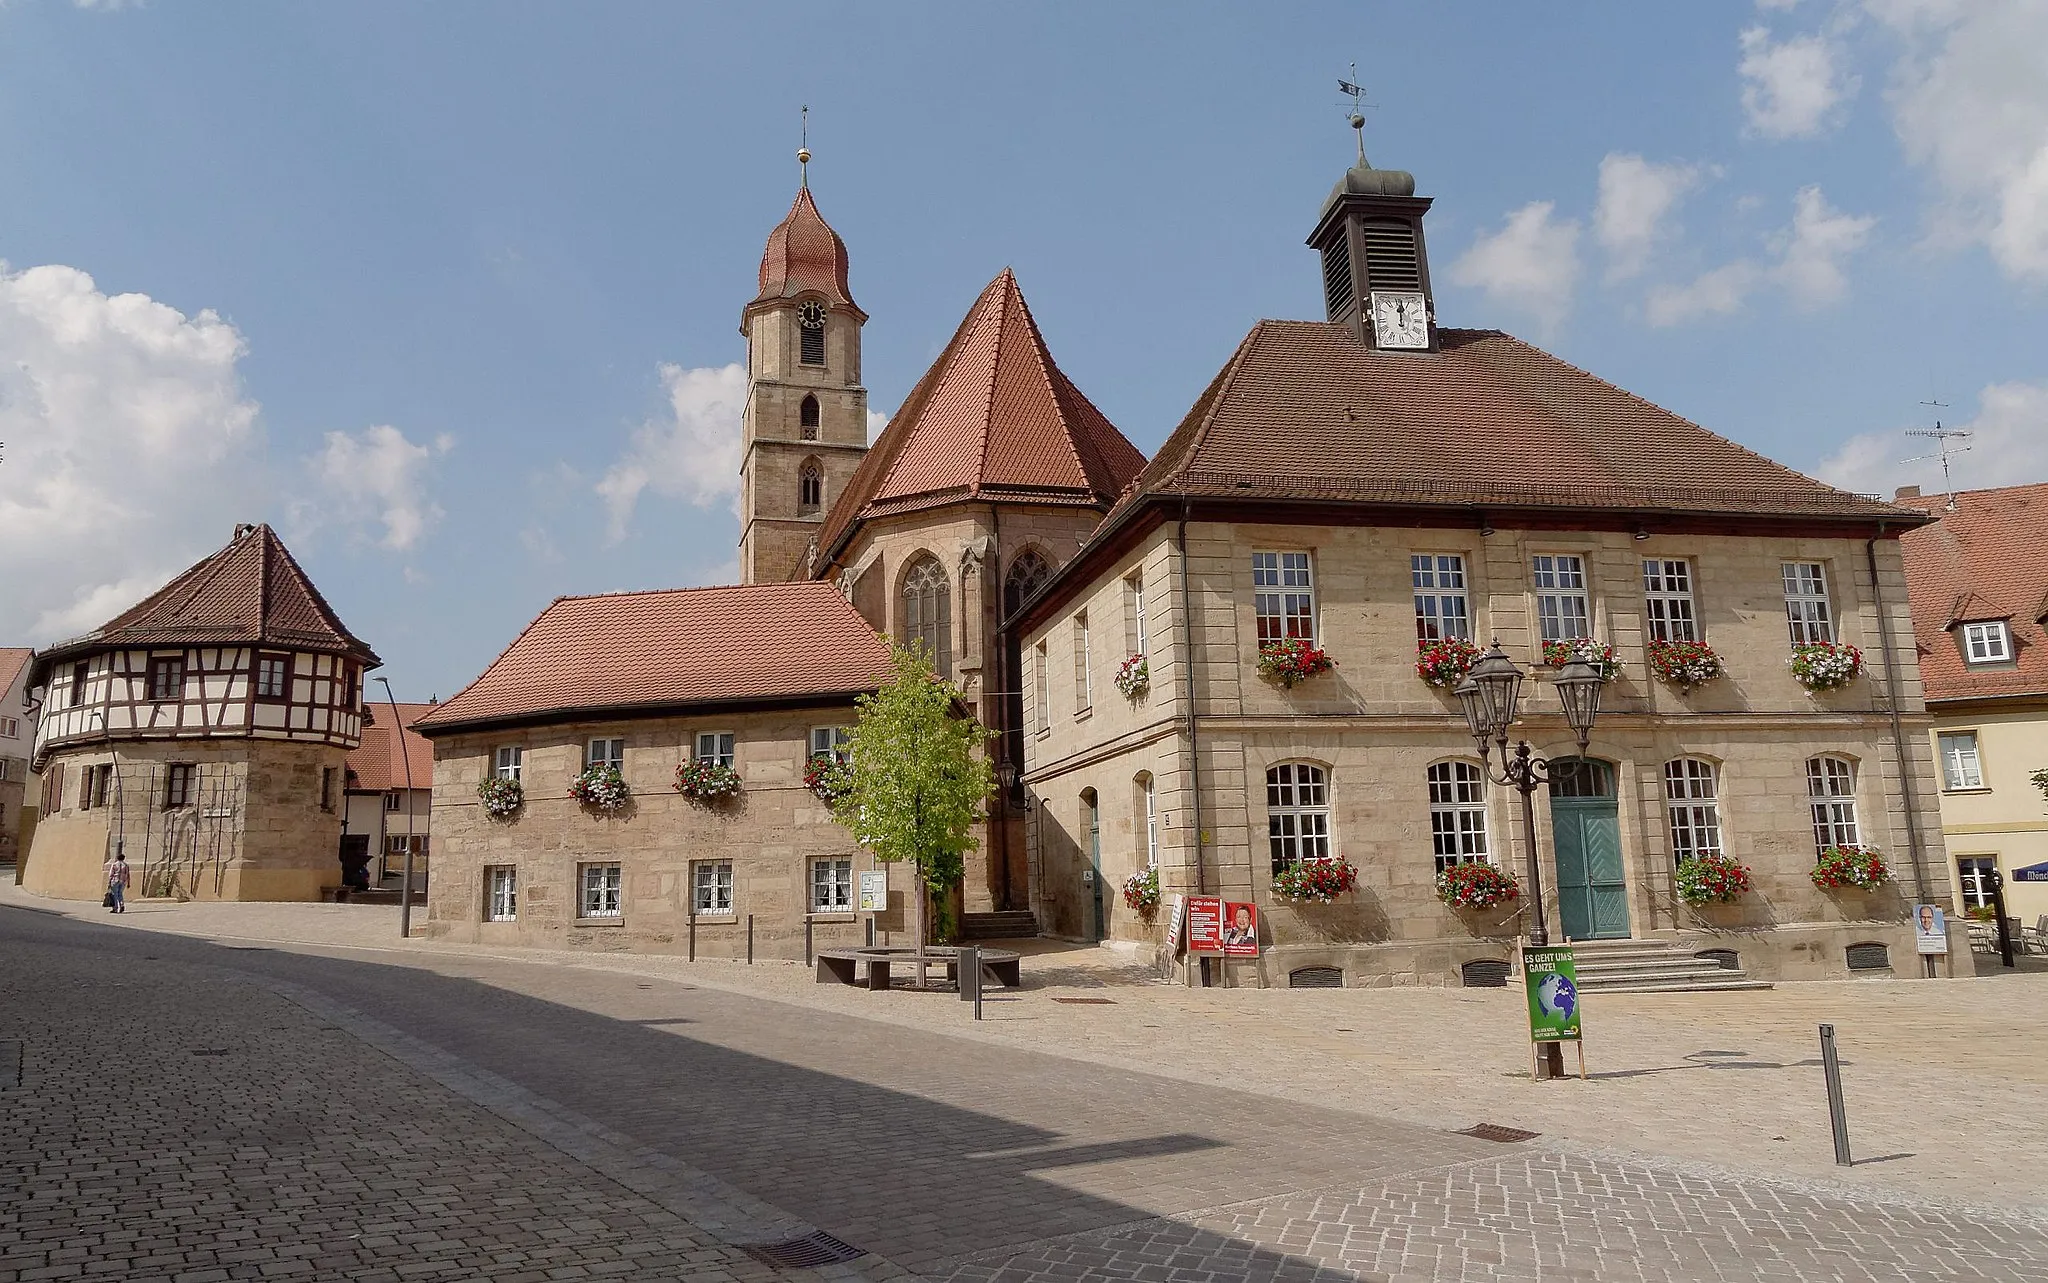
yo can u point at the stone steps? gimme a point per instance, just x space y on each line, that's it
1654 966
1013 924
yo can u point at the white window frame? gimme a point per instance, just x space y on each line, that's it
1134 585
1561 596
1971 884
1962 765
1457 813
1442 609
832 884
1692 807
10 728
283 688
600 891
830 739
1809 610
721 747
392 801
1831 795
509 761
1149 787
1084 688
1987 641
501 893
711 888
1669 612
1297 813
1041 689
610 750
1284 596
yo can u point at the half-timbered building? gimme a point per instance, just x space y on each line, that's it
203 733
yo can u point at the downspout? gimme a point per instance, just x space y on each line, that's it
1891 682
1002 824
1187 648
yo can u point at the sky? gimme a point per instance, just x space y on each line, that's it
449 293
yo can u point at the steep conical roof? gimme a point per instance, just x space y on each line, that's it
804 253
993 418
251 591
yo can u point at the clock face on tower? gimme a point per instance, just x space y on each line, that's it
1400 319
811 315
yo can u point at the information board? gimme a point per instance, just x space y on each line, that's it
1552 979
874 891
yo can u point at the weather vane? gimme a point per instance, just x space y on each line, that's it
1941 437
1357 112
803 148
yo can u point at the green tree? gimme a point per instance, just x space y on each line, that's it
917 780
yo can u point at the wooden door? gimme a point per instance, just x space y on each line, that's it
1585 821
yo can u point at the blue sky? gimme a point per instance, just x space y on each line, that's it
414 282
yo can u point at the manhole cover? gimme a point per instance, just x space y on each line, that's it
1494 1131
1088 1002
813 1249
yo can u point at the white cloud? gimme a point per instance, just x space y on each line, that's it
2010 447
876 422
1793 88
1636 197
1969 102
375 476
1531 263
131 449
693 454
1719 292
1810 265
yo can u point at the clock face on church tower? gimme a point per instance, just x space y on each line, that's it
811 315
1400 319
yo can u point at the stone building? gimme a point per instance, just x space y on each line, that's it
1371 481
647 682
1979 583
390 791
203 733
17 731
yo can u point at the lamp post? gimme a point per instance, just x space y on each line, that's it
405 757
1490 696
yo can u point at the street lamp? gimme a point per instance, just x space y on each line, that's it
411 824
1489 696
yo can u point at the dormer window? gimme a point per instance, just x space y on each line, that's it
810 323
1989 642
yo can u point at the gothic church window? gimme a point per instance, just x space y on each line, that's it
927 613
810 487
807 417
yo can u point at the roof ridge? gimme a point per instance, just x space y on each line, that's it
687 588
995 367
1206 405
1049 370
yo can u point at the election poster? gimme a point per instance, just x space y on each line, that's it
1205 924
1552 978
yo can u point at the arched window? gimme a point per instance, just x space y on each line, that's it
807 418
810 487
1831 790
1297 814
927 613
1027 571
1691 796
1457 813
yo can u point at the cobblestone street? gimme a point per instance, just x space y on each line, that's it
212 1109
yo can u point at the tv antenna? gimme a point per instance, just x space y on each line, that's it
1356 93
1942 449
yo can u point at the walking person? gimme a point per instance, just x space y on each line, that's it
118 881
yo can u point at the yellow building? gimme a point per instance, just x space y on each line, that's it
1979 583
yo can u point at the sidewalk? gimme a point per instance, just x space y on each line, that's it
1946 1082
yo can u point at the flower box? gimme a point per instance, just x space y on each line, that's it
826 776
1862 867
1320 881
1711 879
601 788
1476 884
501 797
1684 664
1141 890
1444 661
1597 653
704 780
1825 666
1134 676
1293 660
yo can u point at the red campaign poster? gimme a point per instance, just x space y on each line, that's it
1205 924
1240 930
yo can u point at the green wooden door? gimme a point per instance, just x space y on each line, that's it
1592 894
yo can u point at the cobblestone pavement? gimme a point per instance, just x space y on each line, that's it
634 1103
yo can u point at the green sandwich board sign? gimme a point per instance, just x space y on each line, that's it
1552 979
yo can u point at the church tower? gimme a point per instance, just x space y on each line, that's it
806 427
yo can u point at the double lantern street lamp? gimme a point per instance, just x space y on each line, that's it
1490 694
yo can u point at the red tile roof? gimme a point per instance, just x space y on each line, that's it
250 591
993 418
1305 410
12 660
1986 560
804 253
377 764
653 652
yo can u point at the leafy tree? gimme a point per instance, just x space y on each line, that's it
916 782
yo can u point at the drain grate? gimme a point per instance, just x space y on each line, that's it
209 1051
1088 1002
1494 1131
813 1249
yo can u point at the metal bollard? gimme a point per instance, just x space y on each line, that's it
968 967
807 941
750 939
693 931
1838 1116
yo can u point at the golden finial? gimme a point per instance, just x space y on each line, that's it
803 151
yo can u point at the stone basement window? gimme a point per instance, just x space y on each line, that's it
711 888
501 893
599 891
832 885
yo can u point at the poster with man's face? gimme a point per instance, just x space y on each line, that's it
1930 930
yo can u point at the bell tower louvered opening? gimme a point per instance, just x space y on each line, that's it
1375 260
1393 260
1338 291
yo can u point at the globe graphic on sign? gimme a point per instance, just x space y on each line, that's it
1557 997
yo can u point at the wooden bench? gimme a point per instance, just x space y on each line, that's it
998 966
